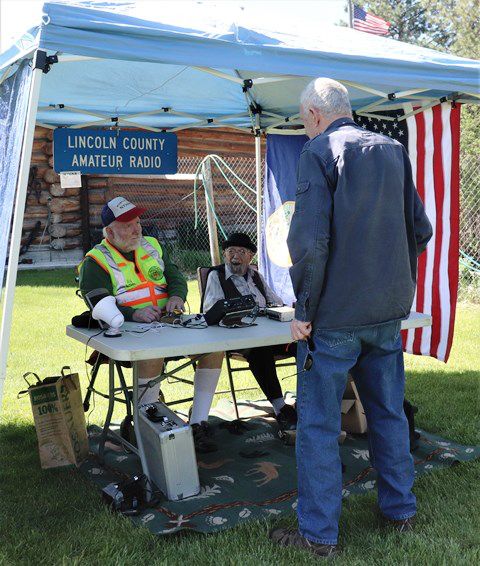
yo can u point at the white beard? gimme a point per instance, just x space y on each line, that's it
125 246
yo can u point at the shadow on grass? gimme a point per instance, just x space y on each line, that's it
447 403
62 277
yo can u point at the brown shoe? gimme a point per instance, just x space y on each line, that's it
401 525
291 537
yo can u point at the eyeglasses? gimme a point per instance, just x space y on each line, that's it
237 251
307 366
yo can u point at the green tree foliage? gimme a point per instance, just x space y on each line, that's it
445 25
409 20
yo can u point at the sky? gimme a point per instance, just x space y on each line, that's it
16 16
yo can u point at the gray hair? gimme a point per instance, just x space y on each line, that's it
328 96
111 225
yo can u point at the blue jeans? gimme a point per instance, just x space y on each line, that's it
374 357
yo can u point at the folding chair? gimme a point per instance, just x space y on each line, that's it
202 274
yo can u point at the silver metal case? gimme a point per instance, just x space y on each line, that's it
170 453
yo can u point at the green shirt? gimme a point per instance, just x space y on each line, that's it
92 276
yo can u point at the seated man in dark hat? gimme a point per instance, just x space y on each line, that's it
236 277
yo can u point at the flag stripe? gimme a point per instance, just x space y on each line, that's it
439 195
454 222
426 333
444 290
419 307
412 153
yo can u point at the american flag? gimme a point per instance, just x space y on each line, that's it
432 140
363 21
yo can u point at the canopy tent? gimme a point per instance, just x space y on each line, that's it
172 77
109 69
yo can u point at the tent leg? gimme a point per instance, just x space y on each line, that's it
258 179
210 208
16 234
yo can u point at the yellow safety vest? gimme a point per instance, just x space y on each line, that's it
137 288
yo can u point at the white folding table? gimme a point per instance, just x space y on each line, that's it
135 345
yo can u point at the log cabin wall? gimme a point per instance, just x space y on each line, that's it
53 215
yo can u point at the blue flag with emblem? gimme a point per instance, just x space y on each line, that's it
279 203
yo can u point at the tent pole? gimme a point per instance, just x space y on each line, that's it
16 235
258 179
210 208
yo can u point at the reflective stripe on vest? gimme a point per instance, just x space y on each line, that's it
114 269
147 246
145 292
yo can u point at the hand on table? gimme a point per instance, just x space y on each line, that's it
147 314
300 330
174 303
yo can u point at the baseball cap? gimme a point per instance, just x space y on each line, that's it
120 209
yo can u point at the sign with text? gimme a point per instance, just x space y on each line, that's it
114 152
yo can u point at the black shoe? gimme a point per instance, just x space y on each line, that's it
127 431
201 438
291 537
401 525
287 418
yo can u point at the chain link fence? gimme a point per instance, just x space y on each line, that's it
469 276
178 217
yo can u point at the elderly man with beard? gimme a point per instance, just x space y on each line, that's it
137 271
237 278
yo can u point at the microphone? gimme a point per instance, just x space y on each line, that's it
104 309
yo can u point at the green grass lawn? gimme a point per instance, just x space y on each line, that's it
56 517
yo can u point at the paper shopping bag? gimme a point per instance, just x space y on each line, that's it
59 419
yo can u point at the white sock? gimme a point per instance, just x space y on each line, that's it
278 404
151 393
204 385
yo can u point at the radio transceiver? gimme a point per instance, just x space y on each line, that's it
283 314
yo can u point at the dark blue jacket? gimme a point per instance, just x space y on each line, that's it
357 230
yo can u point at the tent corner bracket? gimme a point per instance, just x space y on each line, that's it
247 85
255 108
44 61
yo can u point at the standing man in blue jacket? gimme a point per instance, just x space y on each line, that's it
354 272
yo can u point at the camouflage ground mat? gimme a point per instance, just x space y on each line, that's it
253 475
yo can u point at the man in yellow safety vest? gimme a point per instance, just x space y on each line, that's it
137 271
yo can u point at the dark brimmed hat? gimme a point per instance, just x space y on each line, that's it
120 209
240 240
